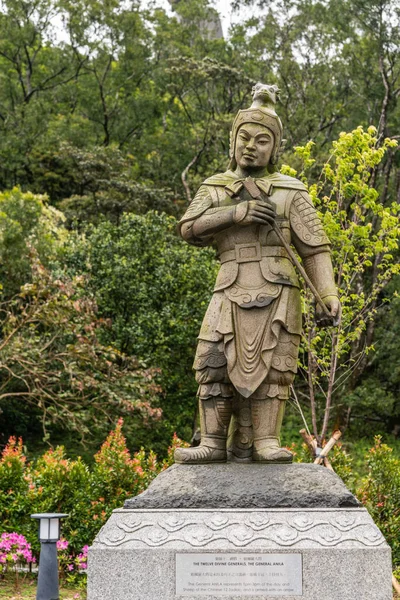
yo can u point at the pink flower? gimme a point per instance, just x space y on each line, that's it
70 567
62 544
14 548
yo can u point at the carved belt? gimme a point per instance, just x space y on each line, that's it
243 253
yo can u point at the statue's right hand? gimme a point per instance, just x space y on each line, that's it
255 211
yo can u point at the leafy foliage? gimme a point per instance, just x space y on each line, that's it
364 235
380 493
27 224
156 89
52 359
154 290
55 483
375 399
104 186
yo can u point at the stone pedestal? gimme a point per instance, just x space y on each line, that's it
241 532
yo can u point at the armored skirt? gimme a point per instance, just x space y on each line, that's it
253 351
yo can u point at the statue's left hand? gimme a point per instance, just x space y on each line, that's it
333 305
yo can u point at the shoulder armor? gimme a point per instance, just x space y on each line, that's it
305 221
284 181
265 183
200 203
221 179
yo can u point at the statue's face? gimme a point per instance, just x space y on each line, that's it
254 146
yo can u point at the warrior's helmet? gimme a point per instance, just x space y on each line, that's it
261 111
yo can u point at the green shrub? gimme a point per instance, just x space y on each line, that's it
26 223
379 491
53 362
55 483
153 289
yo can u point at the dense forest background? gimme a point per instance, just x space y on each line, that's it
111 115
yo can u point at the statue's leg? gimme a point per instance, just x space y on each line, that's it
240 438
215 400
215 416
267 410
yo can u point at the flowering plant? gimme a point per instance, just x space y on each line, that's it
71 566
14 550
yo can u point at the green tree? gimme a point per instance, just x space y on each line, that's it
365 237
154 289
27 224
104 186
33 69
375 400
52 361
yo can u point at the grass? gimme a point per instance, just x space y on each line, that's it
27 590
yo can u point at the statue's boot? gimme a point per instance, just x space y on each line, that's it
267 418
215 415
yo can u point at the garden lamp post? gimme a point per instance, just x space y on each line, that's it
49 534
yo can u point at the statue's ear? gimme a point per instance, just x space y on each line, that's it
281 149
276 155
277 91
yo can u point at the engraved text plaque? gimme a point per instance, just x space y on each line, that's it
239 574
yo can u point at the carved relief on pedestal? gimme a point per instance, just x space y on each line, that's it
228 529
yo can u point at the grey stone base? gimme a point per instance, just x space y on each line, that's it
253 485
344 555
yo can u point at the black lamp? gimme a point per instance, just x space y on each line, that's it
49 534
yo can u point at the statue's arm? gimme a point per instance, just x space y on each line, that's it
312 244
202 220
200 230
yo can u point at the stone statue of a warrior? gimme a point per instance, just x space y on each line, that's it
248 345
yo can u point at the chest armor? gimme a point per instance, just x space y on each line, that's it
254 264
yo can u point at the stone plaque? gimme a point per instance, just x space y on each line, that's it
239 574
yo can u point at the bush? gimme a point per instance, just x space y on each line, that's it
55 483
153 289
26 223
52 361
379 491
14 551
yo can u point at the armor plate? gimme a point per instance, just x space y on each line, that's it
305 221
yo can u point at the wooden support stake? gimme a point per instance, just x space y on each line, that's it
310 441
395 584
328 446
327 463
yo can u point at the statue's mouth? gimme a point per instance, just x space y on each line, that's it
263 92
